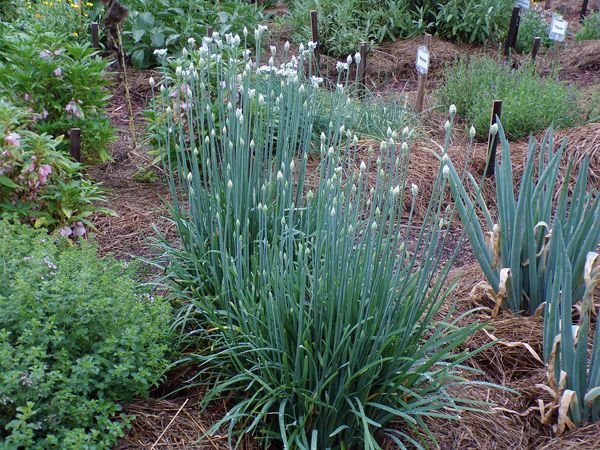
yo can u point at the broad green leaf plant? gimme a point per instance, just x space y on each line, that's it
298 299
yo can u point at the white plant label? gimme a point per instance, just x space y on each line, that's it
558 29
523 4
422 60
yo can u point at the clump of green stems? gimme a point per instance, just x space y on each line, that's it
539 253
518 253
573 359
301 304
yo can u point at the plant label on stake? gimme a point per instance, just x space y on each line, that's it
422 60
523 4
558 29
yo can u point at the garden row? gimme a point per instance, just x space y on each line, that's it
307 290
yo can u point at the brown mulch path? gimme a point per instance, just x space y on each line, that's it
140 206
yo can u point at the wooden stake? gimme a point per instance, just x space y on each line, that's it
513 31
422 79
548 4
75 144
536 47
583 13
314 26
362 67
209 31
493 140
127 93
95 40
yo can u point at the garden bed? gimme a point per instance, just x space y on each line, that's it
511 374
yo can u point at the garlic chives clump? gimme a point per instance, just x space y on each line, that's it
286 275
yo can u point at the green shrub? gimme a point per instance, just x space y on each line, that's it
77 339
63 83
532 25
300 305
529 102
344 24
158 24
590 28
472 21
38 183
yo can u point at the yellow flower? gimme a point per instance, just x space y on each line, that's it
89 5
75 34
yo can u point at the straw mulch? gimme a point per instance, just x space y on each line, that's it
514 362
585 56
139 206
394 62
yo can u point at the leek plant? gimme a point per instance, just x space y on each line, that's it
573 371
518 253
298 303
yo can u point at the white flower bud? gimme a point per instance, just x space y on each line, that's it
494 129
279 176
452 110
178 71
332 213
189 177
446 171
357 58
414 189
374 226
404 147
472 132
151 82
286 46
349 60
447 126
363 166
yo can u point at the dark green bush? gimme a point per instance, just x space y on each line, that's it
530 103
77 339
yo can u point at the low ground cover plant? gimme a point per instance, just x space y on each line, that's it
530 103
343 25
78 339
62 83
39 184
293 302
167 24
590 27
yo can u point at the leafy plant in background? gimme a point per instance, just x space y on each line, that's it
344 24
39 184
158 24
294 302
530 103
78 338
62 83
531 25
590 27
70 19
472 21
520 251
